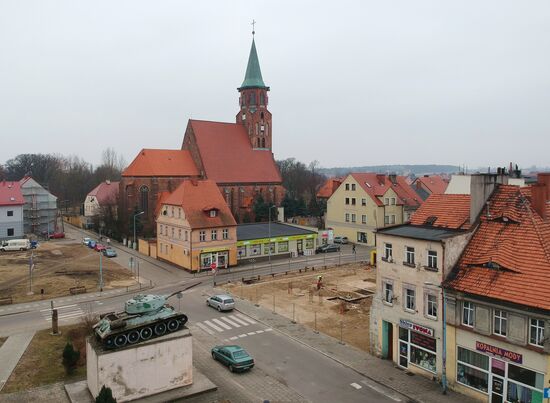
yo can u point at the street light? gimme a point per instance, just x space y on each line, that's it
135 215
269 232
444 331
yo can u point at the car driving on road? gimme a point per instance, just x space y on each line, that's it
235 357
221 302
109 252
341 239
328 248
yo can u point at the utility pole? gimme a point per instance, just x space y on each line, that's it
100 271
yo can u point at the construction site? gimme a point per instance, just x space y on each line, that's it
335 301
59 267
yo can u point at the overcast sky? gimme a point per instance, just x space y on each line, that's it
352 82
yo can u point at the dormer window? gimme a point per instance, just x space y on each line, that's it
213 213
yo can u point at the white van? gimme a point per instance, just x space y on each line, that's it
14 244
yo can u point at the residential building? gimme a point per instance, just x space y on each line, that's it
329 187
236 156
366 202
11 210
40 209
195 227
265 240
412 261
429 184
498 304
102 200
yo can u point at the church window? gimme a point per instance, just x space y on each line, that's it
144 198
262 100
257 128
262 116
263 143
253 98
266 129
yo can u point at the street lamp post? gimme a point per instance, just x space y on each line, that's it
444 338
100 271
135 215
269 234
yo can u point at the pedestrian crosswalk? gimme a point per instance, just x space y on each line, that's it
65 312
226 322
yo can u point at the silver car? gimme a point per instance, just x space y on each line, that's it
221 302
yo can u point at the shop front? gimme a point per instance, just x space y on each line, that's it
498 374
417 346
220 257
286 246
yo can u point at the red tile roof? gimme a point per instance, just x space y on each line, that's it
329 187
444 210
508 257
433 183
197 197
10 194
376 185
105 192
228 156
152 162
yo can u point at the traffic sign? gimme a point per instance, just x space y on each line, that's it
213 265
547 393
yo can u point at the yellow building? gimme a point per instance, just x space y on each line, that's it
195 228
365 202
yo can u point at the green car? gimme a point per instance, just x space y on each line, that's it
235 357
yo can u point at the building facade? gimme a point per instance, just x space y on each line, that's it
40 209
11 210
365 202
195 228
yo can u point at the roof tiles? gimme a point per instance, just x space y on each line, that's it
376 185
10 194
154 162
106 192
444 210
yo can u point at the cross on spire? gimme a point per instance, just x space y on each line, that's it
253 31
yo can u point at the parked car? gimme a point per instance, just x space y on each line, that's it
221 302
86 241
14 244
91 244
109 252
57 235
341 239
330 247
99 247
235 357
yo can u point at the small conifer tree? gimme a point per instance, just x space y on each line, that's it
105 395
70 358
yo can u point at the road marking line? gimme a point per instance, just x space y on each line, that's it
70 315
240 315
268 329
259 331
233 338
251 333
219 322
207 330
382 390
242 322
356 385
213 326
242 335
230 321
58 307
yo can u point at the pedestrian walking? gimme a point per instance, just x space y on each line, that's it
108 242
353 249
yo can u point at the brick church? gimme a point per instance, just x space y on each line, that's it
237 156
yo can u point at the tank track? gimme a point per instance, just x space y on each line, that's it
134 335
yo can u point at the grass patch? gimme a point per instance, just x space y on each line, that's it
42 364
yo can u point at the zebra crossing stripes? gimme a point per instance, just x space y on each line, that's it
222 324
235 324
249 320
65 312
205 328
226 322
213 326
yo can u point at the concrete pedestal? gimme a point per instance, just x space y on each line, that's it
143 369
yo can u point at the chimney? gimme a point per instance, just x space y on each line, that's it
108 182
481 188
393 178
381 178
540 195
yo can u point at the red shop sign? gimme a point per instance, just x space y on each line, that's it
499 352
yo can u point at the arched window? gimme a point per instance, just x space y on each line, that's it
257 128
263 142
262 99
144 198
262 115
253 98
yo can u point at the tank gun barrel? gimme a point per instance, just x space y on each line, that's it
183 289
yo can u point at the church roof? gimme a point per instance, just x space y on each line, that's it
151 162
228 157
253 77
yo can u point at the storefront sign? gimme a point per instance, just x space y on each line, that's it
423 341
499 352
416 328
277 239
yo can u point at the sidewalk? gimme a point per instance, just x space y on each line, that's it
416 388
10 354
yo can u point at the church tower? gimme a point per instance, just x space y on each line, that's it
253 101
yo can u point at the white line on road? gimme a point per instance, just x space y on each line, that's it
233 338
242 322
240 315
251 333
356 385
69 315
242 335
230 321
219 322
207 330
382 390
213 326
268 329
259 331
58 307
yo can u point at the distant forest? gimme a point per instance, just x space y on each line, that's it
416 170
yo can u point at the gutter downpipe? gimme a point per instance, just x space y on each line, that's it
444 329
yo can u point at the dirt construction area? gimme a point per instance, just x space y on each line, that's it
340 308
59 265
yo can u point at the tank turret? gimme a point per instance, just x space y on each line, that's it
144 317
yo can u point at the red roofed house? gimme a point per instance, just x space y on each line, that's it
365 202
498 300
329 187
103 196
195 227
429 184
236 156
11 210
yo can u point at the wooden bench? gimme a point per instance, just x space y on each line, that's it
6 301
250 280
77 290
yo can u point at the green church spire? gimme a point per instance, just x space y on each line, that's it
253 77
